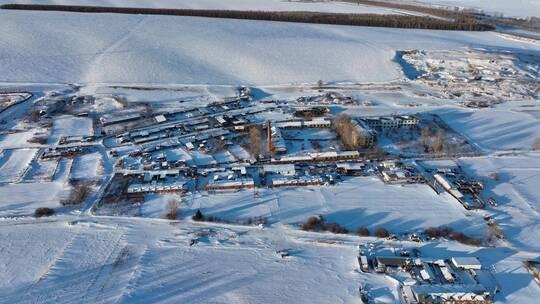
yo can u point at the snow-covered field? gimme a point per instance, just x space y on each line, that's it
509 8
24 198
143 262
516 192
513 8
504 128
87 166
160 49
362 201
13 163
70 126
139 261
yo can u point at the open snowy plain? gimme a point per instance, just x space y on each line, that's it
36 47
184 68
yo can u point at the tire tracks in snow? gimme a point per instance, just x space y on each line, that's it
102 272
51 267
96 64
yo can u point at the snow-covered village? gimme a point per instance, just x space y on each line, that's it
192 156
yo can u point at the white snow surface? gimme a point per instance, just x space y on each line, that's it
13 163
361 201
24 198
504 128
34 47
509 8
115 260
87 166
152 262
516 193
70 126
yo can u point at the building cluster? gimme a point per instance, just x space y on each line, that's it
197 148
196 135
466 191
394 172
391 122
66 140
156 187
58 152
327 98
318 157
429 280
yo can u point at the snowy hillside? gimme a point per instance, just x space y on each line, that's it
160 49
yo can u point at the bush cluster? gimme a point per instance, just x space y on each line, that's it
251 221
447 232
317 223
43 212
362 231
78 194
382 233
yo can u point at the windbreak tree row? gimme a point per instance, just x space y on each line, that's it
394 21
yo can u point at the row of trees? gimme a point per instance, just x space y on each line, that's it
396 21
255 140
447 232
318 223
347 132
251 221
434 141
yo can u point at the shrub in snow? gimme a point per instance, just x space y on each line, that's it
198 216
77 195
436 232
317 223
447 232
313 223
381 233
335 228
43 212
362 231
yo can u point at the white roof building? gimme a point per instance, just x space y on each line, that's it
287 169
466 262
160 118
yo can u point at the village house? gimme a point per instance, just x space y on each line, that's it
389 122
286 169
107 120
318 122
156 187
230 184
296 182
430 294
365 137
278 143
351 168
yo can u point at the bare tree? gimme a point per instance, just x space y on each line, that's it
172 209
255 141
424 135
536 144
347 131
78 194
438 144
320 85
122 100
381 232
